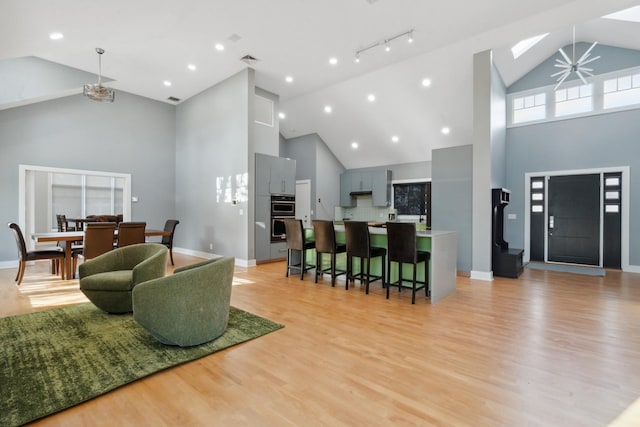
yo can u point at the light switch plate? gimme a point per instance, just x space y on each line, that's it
511 216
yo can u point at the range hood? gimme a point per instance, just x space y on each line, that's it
361 193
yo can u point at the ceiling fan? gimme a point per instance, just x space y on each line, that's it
570 65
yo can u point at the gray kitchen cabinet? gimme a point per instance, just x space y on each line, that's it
278 250
345 189
263 228
381 188
283 176
275 175
377 181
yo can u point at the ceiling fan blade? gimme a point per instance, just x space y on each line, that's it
566 66
587 71
590 60
586 54
566 58
558 73
579 74
561 80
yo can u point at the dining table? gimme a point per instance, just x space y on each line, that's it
70 237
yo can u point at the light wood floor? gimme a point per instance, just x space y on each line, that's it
548 349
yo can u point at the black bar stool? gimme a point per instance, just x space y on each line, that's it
401 242
359 245
325 235
296 242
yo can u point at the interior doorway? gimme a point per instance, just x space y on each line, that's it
578 217
303 202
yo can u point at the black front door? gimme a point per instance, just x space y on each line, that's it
574 219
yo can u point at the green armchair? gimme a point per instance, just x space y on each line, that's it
188 308
108 280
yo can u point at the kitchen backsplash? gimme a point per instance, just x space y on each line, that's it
363 211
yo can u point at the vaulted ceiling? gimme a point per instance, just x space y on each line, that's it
148 42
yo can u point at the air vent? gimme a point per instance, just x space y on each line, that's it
249 59
234 38
173 99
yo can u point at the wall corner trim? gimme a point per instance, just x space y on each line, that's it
482 275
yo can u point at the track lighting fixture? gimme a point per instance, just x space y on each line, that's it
384 42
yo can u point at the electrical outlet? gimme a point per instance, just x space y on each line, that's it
210 246
511 216
241 212
319 200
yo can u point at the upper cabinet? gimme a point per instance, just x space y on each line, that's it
275 175
377 182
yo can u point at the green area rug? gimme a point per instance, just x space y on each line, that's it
54 359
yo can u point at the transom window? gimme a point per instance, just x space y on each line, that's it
528 108
622 91
574 100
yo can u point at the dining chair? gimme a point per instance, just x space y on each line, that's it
130 233
55 255
402 246
294 231
98 239
63 224
325 236
170 225
358 241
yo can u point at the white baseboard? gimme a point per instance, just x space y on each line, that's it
8 264
632 269
208 255
482 275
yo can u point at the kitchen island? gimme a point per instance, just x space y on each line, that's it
442 268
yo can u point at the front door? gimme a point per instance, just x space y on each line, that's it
574 219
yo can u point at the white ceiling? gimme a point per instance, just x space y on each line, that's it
149 41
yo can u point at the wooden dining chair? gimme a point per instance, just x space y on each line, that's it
98 239
170 226
130 233
296 242
55 255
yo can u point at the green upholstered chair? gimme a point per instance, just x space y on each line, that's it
108 279
189 307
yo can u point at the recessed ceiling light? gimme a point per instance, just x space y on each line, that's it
288 79
446 130
371 97
394 138
426 82
219 47
167 83
387 46
56 36
354 145
410 37
282 115
328 109
333 61
192 67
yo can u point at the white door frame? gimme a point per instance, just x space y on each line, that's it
626 191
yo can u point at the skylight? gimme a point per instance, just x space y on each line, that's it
524 45
631 15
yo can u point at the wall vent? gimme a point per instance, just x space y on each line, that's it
249 59
173 99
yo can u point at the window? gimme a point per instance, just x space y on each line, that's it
574 100
621 91
603 93
413 199
529 108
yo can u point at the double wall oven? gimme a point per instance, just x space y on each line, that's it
282 207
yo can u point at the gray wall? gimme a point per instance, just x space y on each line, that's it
498 129
415 170
213 140
599 141
316 162
266 137
451 186
134 135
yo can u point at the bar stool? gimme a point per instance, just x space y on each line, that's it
401 242
325 236
359 245
296 242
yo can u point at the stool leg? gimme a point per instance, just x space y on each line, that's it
303 262
413 292
388 283
288 262
349 270
317 265
333 270
366 289
399 277
427 288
